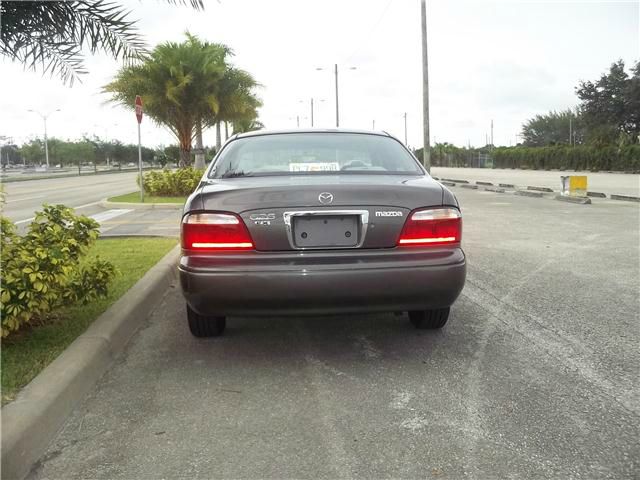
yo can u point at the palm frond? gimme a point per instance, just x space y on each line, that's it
51 35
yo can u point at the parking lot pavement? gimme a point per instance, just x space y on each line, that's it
535 376
116 222
609 183
126 221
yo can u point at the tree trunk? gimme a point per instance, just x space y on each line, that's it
199 163
185 157
218 137
226 131
184 140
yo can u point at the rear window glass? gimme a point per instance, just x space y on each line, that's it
314 153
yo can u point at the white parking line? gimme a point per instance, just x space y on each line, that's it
109 214
79 206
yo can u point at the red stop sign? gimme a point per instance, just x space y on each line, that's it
139 108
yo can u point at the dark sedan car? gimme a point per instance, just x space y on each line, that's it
319 222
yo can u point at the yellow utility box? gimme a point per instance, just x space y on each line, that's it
574 185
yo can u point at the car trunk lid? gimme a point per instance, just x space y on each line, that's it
322 211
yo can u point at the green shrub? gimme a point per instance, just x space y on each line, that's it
43 269
171 183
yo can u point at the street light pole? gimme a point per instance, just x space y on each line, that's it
337 108
570 131
405 128
312 112
335 72
46 145
426 153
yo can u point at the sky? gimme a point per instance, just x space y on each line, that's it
504 61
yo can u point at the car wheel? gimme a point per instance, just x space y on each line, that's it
429 319
203 326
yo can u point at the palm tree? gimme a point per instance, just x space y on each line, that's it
237 100
50 35
186 87
247 125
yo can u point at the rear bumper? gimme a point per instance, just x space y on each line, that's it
261 283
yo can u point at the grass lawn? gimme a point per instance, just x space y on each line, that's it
135 198
26 353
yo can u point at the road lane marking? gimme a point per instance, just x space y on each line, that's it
25 220
86 205
109 214
24 199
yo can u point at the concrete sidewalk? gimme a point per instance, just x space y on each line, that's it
609 183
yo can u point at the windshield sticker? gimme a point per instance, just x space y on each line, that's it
314 167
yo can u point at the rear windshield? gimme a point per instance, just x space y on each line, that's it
314 153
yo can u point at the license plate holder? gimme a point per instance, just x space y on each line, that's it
325 231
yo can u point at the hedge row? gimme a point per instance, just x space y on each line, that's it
611 158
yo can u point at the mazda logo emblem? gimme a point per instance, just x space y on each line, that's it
325 198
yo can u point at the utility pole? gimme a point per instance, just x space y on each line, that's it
44 119
311 111
405 128
298 120
373 127
426 152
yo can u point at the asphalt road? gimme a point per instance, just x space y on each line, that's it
535 376
609 183
83 193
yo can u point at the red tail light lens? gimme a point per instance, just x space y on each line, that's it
442 226
215 231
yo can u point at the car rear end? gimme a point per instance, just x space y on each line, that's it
359 239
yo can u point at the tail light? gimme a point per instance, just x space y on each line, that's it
441 226
215 231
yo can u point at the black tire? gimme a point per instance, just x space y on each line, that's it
429 319
201 326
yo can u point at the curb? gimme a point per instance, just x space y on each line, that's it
141 206
455 181
579 200
529 193
628 198
69 175
596 194
32 420
540 189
